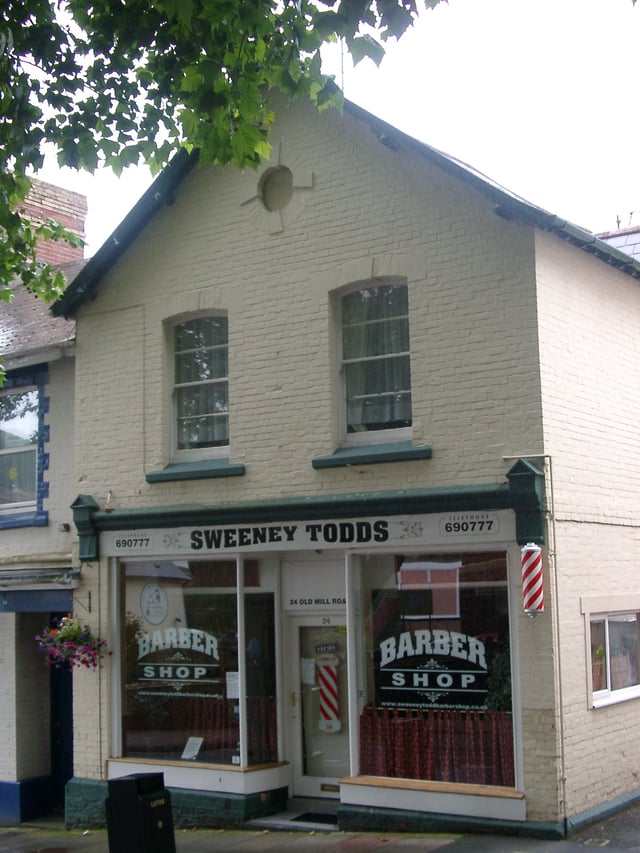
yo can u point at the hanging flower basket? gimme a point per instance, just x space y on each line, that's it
69 643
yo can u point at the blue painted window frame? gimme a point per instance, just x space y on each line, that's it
37 517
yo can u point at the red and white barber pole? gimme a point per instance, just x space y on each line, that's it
532 587
329 709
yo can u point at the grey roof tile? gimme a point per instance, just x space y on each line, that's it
26 323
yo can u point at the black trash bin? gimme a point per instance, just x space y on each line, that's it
139 818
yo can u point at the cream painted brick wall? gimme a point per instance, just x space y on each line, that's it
535 694
33 727
541 764
60 476
602 760
25 728
8 756
473 334
109 405
590 364
91 707
590 367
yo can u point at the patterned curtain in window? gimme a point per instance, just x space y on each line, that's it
449 746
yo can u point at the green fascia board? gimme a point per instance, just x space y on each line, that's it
524 498
401 451
358 505
203 470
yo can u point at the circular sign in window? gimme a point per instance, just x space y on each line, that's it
276 188
154 604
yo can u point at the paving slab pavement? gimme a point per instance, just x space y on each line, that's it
31 839
619 832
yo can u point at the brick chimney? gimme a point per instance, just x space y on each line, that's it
46 201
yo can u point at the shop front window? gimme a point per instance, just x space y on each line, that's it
435 668
181 667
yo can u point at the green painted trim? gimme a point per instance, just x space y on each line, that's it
526 485
84 509
85 805
400 502
602 811
523 493
352 818
202 470
400 451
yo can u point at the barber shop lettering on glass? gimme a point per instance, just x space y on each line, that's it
438 671
182 661
440 637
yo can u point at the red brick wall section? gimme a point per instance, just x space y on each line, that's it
46 201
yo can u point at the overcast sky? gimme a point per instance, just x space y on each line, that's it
541 96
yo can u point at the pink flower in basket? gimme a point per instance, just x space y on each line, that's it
70 643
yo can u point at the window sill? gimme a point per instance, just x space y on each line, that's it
615 697
24 519
197 765
400 451
203 470
472 789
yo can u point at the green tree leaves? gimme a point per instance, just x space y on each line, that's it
117 82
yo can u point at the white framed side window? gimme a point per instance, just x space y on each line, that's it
201 387
18 448
613 651
375 362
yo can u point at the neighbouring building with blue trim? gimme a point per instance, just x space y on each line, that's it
326 415
38 567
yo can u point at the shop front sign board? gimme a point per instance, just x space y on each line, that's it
344 534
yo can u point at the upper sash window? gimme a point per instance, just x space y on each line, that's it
376 370
201 386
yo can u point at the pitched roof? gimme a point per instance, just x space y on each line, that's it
507 204
626 239
27 327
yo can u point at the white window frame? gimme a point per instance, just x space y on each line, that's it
30 448
198 453
366 437
602 608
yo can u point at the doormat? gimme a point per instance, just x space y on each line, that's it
316 817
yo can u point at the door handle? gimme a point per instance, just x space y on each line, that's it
293 698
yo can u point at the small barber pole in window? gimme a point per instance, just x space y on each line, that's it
328 679
532 588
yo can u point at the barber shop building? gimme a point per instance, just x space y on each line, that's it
357 488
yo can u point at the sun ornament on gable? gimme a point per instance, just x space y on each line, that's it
276 194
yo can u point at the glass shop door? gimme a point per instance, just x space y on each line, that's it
319 730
